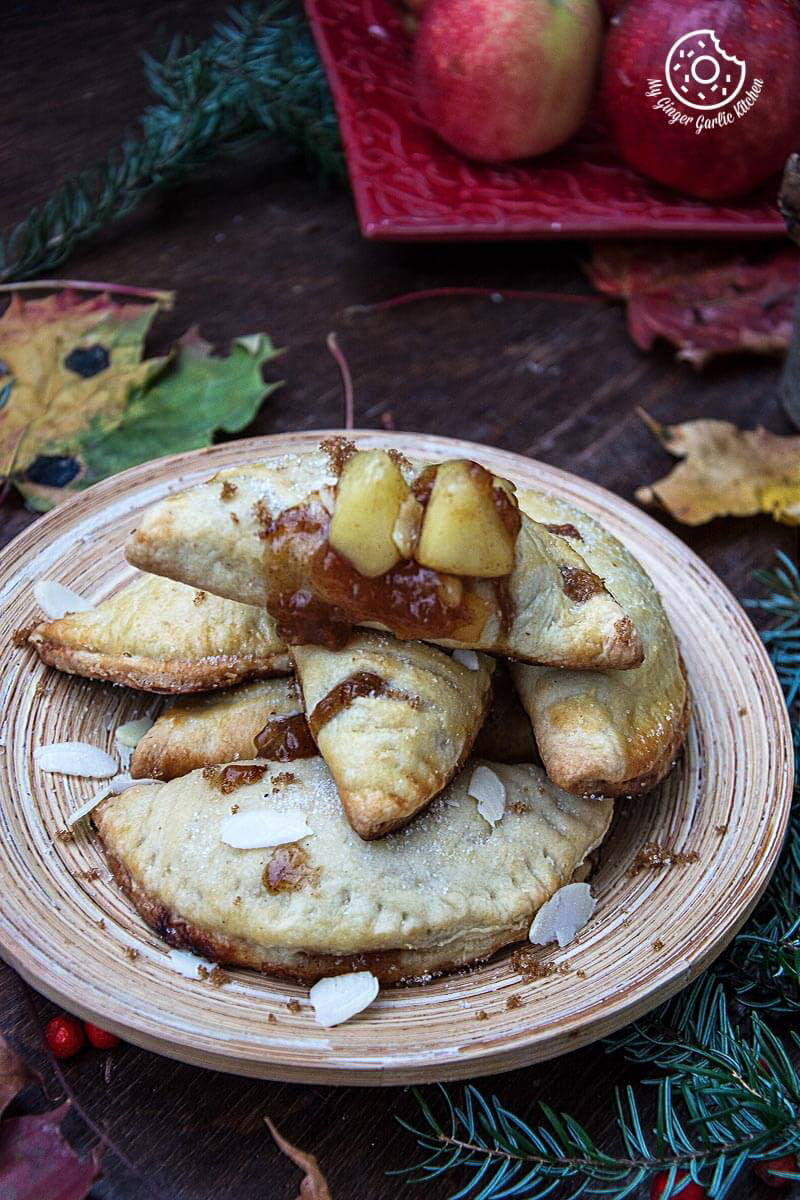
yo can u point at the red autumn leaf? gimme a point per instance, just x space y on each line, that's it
705 302
313 1185
36 1161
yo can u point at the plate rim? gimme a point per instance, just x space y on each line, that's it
481 1058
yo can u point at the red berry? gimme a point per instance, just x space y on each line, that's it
765 1168
101 1039
64 1036
692 1191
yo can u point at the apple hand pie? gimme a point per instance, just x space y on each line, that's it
393 720
448 890
161 636
264 718
610 733
338 537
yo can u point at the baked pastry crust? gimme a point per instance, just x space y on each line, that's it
608 733
214 536
220 727
393 720
445 891
161 636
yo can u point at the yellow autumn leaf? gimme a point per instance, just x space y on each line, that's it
66 364
726 471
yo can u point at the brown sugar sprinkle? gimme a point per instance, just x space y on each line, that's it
218 978
580 585
228 490
524 962
101 923
90 875
581 974
235 775
294 1006
199 597
653 855
202 972
742 712
131 953
288 870
273 1020
519 806
65 835
721 830
282 780
237 900
19 637
398 458
624 629
481 1015
339 451
234 518
566 530
658 945
514 1000
234 809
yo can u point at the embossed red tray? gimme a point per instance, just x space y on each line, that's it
409 185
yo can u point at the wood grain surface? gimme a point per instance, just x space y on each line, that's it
257 246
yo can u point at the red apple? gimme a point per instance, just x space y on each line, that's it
705 96
505 79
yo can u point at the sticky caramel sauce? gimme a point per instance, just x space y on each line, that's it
566 531
581 585
285 739
360 683
235 775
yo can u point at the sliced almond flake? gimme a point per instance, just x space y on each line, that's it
75 758
489 790
132 732
340 997
119 784
468 659
56 601
563 916
188 964
261 827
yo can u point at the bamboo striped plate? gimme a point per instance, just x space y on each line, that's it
71 934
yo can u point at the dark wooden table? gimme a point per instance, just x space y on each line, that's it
258 247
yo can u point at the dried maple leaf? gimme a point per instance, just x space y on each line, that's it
726 472
77 403
15 1074
313 1185
705 302
65 362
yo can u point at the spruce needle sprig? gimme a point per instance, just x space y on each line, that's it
257 76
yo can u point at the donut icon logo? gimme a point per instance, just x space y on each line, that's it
700 74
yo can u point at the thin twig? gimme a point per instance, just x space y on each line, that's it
494 294
333 345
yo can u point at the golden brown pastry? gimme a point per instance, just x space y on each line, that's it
446 891
264 718
393 720
161 636
611 733
331 539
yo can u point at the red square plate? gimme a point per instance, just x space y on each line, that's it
409 185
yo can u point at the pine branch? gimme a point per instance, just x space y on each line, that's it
258 75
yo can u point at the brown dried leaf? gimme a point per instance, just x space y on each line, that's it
313 1185
37 1163
15 1074
707 302
726 472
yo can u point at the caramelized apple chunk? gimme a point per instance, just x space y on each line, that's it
369 495
463 530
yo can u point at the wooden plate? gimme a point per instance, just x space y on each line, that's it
71 934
